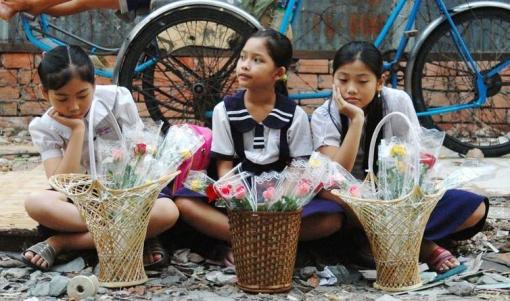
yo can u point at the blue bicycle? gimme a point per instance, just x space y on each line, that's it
180 60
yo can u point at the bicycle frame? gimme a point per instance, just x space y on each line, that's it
293 6
54 41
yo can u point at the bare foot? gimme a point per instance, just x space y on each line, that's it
8 8
437 258
6 12
19 5
152 258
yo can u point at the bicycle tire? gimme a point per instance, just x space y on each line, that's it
196 50
487 127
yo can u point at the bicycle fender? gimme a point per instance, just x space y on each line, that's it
434 24
173 6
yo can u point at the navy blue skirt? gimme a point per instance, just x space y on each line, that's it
452 210
322 206
181 192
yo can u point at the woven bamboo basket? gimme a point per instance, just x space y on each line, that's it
117 219
264 246
394 228
395 231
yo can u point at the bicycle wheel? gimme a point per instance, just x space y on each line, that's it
441 78
190 56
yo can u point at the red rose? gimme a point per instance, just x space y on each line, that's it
140 149
428 160
211 193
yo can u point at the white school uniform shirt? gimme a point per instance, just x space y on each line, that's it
51 137
299 136
325 133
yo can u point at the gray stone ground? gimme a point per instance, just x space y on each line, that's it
190 277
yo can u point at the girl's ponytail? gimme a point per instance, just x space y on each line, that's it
280 87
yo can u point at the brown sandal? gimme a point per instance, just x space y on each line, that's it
153 246
45 251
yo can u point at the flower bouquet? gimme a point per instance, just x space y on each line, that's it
265 216
299 183
338 178
288 190
198 181
117 196
235 191
394 206
145 156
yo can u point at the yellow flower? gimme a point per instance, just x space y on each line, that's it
398 150
186 154
314 163
196 185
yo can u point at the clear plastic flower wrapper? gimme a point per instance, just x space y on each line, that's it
430 142
289 190
397 165
464 173
235 191
200 182
145 155
264 189
337 177
299 183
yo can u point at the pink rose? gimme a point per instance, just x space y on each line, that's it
117 154
355 191
303 188
335 180
240 192
225 190
268 194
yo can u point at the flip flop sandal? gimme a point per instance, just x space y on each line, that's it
153 246
448 273
45 251
218 254
437 258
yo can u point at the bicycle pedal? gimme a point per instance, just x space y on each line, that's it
411 33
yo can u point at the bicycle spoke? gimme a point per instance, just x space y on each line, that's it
447 80
195 54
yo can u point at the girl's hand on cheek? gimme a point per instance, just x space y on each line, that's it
73 123
345 108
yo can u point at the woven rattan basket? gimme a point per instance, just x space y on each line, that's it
264 245
394 228
117 219
395 231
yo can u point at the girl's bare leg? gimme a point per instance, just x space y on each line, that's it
204 218
319 226
52 210
8 8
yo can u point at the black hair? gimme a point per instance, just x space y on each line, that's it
371 56
279 48
62 63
